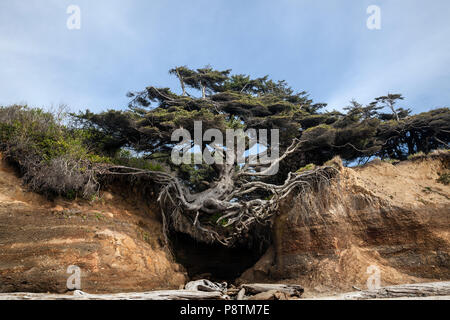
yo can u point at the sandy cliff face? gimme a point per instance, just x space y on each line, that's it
393 217
116 241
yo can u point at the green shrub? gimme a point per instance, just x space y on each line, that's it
55 158
52 157
125 158
308 167
391 161
444 178
416 155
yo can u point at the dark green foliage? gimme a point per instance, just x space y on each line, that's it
125 158
140 136
227 102
380 128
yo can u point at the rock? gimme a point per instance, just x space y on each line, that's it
109 214
376 217
107 196
261 270
271 295
57 208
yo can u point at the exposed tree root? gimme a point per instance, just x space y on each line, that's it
227 211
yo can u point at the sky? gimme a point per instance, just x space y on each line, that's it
323 47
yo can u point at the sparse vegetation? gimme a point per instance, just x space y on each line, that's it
417 155
427 190
444 178
308 167
391 161
52 158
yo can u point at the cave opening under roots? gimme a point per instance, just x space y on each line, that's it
214 261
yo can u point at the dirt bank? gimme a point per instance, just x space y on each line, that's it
116 241
393 217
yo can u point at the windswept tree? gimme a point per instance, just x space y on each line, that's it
219 201
225 202
183 74
389 101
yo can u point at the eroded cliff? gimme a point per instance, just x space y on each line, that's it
395 217
116 241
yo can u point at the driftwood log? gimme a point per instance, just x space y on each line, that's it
206 286
435 290
153 295
241 294
290 289
407 290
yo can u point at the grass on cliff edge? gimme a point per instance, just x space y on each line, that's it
54 156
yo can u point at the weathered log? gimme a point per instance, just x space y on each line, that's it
241 294
290 289
283 296
206 285
233 292
406 291
266 295
153 295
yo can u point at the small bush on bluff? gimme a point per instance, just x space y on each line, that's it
416 156
52 157
308 167
125 158
444 178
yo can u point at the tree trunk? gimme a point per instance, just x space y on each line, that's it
394 112
182 83
203 91
226 211
290 289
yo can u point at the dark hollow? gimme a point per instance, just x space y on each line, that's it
212 262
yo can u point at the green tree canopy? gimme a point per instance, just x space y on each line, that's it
237 197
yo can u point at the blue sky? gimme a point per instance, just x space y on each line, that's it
322 46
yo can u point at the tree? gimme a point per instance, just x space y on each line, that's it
183 74
218 202
224 202
389 101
